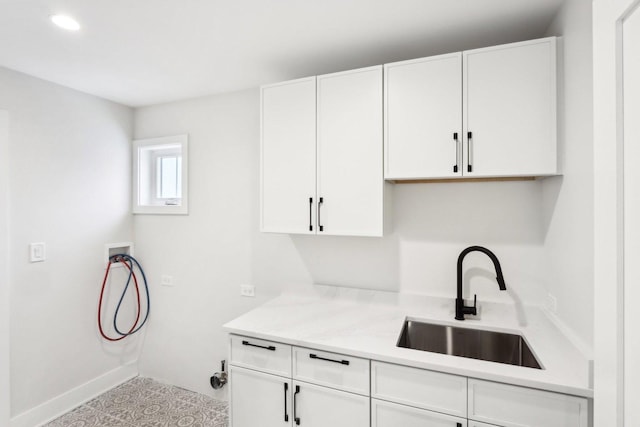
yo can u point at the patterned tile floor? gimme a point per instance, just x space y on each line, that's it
143 402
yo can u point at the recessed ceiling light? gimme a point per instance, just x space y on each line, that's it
66 22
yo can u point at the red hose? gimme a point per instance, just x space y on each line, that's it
104 283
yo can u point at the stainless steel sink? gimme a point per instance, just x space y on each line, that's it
472 343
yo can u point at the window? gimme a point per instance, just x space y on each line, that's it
160 175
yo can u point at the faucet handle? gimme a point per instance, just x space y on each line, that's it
465 309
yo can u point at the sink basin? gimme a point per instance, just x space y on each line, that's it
472 343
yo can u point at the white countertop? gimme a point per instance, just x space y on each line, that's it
367 324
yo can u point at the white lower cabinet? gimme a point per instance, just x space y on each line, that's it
316 406
387 414
259 399
435 391
279 385
346 373
513 406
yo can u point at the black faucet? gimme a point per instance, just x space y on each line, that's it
462 309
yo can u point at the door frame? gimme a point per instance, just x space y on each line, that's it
5 386
608 18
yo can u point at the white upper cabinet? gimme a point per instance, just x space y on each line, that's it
327 180
510 110
423 118
350 171
288 157
482 113
325 153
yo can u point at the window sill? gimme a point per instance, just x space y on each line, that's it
161 210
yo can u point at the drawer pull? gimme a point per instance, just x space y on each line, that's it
342 362
272 348
458 424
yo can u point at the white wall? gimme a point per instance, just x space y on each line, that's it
69 175
216 247
432 224
568 200
4 270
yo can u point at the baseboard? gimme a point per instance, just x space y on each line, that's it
59 405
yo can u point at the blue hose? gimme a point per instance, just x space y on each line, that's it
126 258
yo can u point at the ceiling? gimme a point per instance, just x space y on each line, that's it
143 52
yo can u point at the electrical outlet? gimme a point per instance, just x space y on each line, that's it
37 252
247 290
552 303
166 280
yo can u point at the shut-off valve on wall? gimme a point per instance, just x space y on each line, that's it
219 379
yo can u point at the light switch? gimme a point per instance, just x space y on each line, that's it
37 252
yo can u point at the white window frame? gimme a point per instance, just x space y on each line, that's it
145 155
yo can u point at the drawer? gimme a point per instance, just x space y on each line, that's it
331 369
267 356
420 388
387 414
513 406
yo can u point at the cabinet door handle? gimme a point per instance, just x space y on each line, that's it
295 395
272 348
469 157
455 140
342 362
320 202
310 213
458 424
286 413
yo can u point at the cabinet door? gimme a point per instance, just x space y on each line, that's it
350 170
386 414
317 406
423 118
510 109
259 399
288 157
514 406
